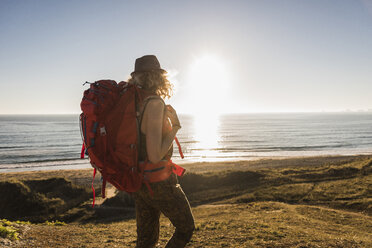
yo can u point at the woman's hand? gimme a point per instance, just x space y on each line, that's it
173 117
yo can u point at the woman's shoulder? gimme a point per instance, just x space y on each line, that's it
155 102
155 106
153 113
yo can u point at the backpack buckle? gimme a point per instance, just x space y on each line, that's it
102 131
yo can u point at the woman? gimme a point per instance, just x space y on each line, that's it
167 196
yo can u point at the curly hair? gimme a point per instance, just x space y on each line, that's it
155 81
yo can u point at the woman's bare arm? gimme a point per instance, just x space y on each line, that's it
157 145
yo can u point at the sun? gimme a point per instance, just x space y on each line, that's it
209 81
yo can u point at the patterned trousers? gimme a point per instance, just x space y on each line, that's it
169 199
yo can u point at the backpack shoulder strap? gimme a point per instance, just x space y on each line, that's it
144 104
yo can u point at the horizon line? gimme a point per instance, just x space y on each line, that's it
227 113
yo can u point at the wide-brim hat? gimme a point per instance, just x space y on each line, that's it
147 63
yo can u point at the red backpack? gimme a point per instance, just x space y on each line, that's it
109 125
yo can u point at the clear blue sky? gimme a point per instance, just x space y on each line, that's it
279 55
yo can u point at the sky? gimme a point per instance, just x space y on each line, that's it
231 56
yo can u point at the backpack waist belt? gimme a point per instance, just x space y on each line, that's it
161 171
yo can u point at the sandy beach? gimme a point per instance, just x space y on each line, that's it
289 202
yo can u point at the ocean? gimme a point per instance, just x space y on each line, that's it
39 142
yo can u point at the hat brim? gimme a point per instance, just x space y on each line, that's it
161 70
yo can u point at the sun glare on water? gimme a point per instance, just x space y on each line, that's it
209 83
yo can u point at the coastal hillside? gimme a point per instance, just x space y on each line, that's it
302 202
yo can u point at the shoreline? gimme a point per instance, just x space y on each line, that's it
77 163
83 176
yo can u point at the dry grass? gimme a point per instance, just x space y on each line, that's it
302 202
39 200
259 224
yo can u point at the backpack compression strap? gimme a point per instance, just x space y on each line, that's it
179 147
82 151
94 192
